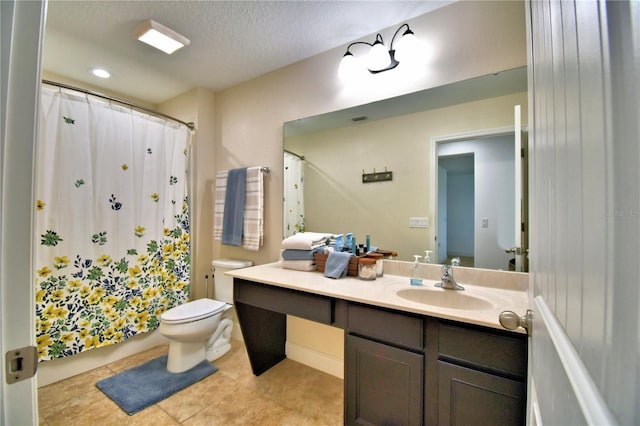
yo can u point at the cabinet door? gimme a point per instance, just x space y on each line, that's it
383 384
471 397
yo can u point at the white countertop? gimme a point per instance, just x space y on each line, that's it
477 304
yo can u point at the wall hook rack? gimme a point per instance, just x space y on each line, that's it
377 176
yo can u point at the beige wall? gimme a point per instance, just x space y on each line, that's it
463 40
334 161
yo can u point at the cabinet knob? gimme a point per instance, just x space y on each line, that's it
511 321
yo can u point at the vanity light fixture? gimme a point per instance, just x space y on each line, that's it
379 59
160 37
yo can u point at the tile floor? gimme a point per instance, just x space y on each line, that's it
288 394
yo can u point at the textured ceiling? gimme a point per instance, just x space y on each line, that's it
231 41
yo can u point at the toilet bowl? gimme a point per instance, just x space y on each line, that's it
201 329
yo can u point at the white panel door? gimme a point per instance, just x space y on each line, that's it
584 156
22 27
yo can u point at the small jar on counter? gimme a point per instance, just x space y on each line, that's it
367 268
379 258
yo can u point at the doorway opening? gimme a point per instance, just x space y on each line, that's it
474 198
456 207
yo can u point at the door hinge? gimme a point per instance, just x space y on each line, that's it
21 364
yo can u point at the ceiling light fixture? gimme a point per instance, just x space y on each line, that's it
100 72
379 59
160 37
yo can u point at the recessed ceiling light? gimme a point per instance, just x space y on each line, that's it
100 72
161 37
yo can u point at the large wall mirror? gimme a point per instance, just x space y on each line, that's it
335 166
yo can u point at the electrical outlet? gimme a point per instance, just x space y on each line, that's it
418 222
485 222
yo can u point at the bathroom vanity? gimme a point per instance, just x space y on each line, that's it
413 355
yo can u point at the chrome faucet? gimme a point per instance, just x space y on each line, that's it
448 282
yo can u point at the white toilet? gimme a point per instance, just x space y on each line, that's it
201 329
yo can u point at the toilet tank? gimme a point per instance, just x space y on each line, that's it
223 284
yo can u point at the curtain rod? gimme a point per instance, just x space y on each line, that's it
190 125
294 154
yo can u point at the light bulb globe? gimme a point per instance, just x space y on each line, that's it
348 67
407 46
378 57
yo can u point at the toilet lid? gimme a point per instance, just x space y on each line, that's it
195 310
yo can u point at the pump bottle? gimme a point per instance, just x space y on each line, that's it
415 278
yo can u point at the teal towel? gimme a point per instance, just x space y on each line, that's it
233 220
337 264
292 254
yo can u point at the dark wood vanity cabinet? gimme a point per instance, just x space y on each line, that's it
384 367
481 375
400 368
403 369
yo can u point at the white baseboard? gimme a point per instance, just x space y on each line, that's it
314 359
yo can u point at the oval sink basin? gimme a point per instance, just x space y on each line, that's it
450 299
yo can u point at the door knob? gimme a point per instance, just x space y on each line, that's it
511 321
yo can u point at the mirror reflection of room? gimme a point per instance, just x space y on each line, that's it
335 199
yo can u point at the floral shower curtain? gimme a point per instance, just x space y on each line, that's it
112 223
293 195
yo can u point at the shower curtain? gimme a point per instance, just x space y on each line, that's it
293 195
112 222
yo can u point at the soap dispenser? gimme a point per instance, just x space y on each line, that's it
415 278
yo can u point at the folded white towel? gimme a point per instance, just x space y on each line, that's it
305 241
300 265
253 226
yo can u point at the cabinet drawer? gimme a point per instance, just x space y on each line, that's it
282 300
391 327
488 349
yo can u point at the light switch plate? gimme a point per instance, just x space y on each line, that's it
418 222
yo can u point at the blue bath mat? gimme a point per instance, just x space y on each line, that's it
139 387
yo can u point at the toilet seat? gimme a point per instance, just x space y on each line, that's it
193 311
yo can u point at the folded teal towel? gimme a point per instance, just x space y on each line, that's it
233 220
337 264
291 254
